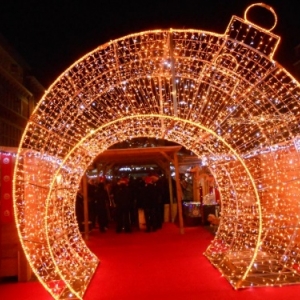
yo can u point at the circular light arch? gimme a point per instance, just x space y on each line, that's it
220 95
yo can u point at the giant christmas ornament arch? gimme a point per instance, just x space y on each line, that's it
221 96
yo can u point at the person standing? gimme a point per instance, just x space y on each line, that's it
150 204
122 194
102 201
92 202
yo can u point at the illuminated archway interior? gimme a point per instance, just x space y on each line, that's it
220 95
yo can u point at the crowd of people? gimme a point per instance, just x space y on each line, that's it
120 202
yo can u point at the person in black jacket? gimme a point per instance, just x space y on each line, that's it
102 202
122 194
150 201
92 202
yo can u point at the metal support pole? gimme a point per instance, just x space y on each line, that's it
179 194
168 172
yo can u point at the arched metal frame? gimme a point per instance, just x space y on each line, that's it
221 96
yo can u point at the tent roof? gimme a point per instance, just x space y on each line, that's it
148 155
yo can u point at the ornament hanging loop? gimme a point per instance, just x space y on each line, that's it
269 8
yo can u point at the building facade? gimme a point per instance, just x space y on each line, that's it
19 93
296 64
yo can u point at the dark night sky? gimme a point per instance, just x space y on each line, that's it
51 35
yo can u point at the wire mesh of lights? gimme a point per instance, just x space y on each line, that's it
221 96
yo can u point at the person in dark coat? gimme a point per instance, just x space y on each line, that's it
133 184
92 202
102 202
149 193
122 194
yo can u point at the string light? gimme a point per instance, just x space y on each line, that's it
211 93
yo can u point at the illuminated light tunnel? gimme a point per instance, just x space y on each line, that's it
221 96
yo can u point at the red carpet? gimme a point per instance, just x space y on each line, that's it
158 265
